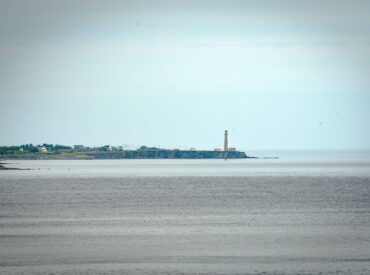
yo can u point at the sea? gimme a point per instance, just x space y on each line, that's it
305 212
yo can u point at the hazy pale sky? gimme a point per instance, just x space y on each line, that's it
276 74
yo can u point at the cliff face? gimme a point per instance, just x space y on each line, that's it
145 154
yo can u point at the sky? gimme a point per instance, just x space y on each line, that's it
279 75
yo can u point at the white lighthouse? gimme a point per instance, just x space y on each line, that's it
226 142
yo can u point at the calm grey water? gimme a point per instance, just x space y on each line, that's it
286 216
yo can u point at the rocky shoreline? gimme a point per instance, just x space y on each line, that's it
2 167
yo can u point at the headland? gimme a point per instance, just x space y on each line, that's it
107 152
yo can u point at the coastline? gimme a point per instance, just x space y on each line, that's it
147 154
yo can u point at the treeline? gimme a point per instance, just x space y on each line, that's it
30 148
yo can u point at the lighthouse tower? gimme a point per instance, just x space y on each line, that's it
226 142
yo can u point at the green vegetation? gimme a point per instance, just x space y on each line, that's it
30 150
58 146
16 149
